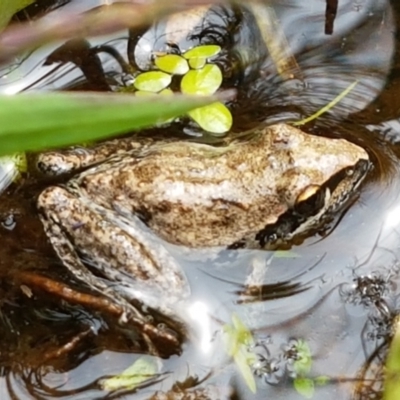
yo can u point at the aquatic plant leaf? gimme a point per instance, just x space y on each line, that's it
303 363
326 108
305 387
205 51
37 121
391 388
214 118
152 81
243 359
197 62
139 372
172 64
243 333
238 339
205 81
9 7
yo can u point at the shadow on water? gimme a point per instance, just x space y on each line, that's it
336 292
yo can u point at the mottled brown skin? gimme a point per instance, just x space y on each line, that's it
191 194
200 196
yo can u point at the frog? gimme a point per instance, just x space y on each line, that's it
268 186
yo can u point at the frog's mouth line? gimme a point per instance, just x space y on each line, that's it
318 209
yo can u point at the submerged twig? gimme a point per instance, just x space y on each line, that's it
149 331
68 347
330 15
66 293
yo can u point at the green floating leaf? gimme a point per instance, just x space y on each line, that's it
139 372
303 364
173 64
243 360
206 51
391 387
152 81
9 7
243 333
305 387
214 118
37 121
205 81
197 62
238 339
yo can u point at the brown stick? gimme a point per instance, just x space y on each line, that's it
61 290
67 347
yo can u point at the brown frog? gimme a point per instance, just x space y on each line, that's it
274 185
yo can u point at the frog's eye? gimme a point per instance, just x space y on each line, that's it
311 200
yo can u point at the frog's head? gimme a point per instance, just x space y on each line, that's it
324 179
317 205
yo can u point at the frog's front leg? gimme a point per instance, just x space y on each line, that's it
54 163
54 204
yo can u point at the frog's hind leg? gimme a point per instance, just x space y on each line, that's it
71 260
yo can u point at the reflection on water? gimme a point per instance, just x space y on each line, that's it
332 292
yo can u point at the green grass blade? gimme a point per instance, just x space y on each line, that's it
39 121
326 108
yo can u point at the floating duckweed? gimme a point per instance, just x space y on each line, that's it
152 81
206 51
214 118
173 64
197 62
204 81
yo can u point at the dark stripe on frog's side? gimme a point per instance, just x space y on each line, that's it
292 220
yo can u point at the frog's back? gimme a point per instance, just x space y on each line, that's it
198 195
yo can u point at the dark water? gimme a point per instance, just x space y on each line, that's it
337 293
